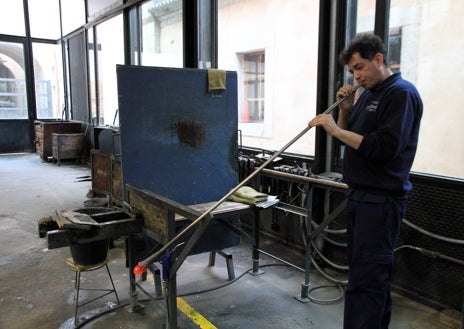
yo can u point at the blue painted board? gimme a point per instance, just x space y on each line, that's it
177 139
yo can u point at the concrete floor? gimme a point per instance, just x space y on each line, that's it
36 286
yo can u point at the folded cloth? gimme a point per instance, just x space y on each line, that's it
216 80
248 195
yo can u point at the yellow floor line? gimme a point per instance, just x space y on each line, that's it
189 311
196 317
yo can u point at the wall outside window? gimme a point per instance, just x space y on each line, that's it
287 32
162 34
431 47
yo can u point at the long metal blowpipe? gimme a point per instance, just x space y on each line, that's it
141 267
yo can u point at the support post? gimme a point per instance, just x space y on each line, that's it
256 223
134 305
303 297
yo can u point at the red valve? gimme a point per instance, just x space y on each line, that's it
140 268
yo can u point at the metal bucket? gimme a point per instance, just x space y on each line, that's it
89 253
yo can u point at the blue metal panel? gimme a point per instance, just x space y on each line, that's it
177 140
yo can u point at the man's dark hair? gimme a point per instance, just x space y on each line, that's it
367 45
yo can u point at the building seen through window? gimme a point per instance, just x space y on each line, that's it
13 97
272 45
394 50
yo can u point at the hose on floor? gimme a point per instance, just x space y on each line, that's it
312 299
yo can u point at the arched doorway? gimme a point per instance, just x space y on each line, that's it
15 125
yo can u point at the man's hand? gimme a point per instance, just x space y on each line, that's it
326 121
346 90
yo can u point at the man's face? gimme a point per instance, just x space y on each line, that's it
366 72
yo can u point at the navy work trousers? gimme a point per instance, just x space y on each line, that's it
373 225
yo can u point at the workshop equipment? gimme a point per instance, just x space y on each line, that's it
88 225
202 220
87 231
161 217
43 134
179 141
67 146
142 266
102 292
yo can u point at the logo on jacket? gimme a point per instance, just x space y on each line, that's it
372 107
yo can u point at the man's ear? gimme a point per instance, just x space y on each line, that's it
379 59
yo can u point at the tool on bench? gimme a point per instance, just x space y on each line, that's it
141 267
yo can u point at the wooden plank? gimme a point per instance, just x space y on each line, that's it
117 182
158 212
163 202
155 218
100 172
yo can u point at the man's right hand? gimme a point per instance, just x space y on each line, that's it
346 90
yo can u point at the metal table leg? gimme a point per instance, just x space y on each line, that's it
303 297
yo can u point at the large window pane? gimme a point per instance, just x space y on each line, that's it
282 37
92 79
99 7
73 13
48 74
110 52
44 18
161 33
13 100
12 20
134 43
365 15
78 85
425 45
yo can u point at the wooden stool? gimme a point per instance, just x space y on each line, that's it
78 269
